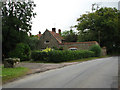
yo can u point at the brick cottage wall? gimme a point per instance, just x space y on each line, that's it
47 36
78 45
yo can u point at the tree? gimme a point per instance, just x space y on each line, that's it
21 51
101 26
33 42
16 22
69 36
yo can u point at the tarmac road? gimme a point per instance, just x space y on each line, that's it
99 73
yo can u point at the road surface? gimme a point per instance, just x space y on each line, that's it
99 73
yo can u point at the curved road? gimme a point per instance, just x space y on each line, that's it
99 73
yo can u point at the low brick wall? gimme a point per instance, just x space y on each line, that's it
78 45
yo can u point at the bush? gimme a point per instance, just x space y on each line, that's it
60 56
21 51
96 49
47 50
33 42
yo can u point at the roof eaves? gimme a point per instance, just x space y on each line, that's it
55 37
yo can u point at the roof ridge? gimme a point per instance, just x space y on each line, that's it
55 36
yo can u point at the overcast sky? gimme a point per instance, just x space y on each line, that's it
62 14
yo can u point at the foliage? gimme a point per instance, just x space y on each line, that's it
96 49
47 50
61 48
16 22
21 51
33 43
69 36
60 56
101 26
39 55
12 73
55 48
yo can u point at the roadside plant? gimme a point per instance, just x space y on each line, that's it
96 49
21 51
57 56
47 50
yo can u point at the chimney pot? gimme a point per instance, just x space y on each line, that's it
59 30
39 32
54 30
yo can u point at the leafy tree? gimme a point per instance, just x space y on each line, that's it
16 22
33 42
101 26
69 36
21 51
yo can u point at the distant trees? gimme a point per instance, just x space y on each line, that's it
102 26
33 42
70 36
16 22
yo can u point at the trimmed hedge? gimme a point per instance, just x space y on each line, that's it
96 49
60 56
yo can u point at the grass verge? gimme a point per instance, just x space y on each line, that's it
9 74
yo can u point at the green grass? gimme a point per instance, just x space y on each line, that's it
12 73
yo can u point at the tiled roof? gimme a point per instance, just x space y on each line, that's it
39 35
89 42
57 36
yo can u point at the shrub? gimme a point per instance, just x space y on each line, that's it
21 51
39 55
33 42
47 50
61 48
96 49
55 48
60 56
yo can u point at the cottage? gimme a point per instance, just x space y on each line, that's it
51 39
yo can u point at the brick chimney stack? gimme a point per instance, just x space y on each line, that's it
39 32
59 30
54 30
30 33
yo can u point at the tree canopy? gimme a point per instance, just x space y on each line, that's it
69 36
102 26
16 22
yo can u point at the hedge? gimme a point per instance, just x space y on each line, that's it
96 49
60 56
21 51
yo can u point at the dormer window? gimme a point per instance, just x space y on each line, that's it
46 42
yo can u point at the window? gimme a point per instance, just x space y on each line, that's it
46 42
72 48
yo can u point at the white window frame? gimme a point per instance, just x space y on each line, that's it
46 42
73 49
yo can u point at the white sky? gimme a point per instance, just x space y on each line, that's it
62 14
